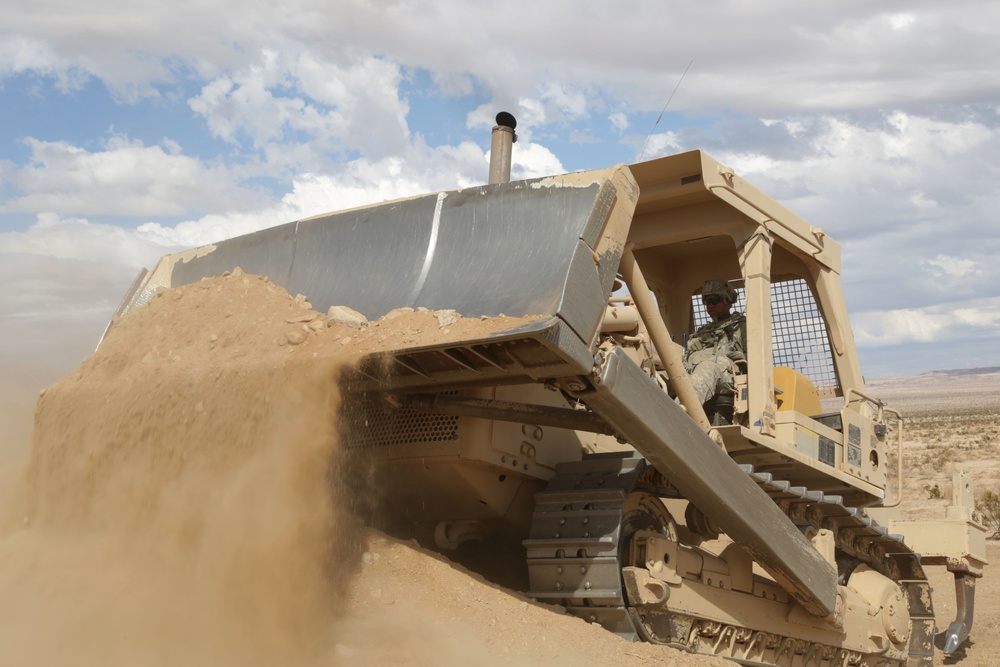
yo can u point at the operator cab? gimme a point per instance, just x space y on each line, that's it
800 409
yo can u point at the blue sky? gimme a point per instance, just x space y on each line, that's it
132 129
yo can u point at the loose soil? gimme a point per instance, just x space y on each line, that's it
176 507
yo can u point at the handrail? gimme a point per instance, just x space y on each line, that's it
899 456
862 395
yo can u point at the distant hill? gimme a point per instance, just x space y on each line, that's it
985 370
982 373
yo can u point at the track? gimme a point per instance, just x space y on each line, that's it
577 544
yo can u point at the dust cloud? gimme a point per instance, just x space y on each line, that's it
177 505
183 504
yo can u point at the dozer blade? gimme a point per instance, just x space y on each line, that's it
547 247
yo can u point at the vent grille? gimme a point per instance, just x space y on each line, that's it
373 423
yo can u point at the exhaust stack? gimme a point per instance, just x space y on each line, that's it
500 150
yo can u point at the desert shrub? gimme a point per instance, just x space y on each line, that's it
988 505
933 492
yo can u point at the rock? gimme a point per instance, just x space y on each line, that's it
345 317
346 340
317 325
446 317
304 317
237 271
396 312
295 338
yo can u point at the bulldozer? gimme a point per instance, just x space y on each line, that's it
758 526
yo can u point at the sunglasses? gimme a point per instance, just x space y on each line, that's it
711 300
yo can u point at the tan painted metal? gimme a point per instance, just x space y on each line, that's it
871 615
694 219
958 541
669 354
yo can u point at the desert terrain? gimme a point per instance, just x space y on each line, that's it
174 508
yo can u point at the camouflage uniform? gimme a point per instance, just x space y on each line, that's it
711 352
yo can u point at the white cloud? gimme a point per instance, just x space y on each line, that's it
619 121
893 153
569 102
33 54
911 198
124 178
78 239
848 55
954 267
531 113
453 84
534 160
657 145
954 322
901 21
306 101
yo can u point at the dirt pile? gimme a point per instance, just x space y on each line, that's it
179 507
413 608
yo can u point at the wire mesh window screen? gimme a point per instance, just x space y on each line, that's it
798 332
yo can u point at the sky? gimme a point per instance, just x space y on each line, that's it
134 129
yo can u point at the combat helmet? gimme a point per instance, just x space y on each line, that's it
719 288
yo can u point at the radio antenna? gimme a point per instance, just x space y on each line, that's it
683 74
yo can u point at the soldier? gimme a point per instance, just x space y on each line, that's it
712 349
